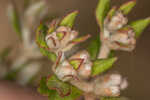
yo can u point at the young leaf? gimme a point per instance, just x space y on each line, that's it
75 94
40 39
139 26
14 19
102 65
93 48
53 95
127 7
43 89
69 19
111 12
62 88
101 11
76 63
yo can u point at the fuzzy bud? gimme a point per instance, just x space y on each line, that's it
109 85
65 71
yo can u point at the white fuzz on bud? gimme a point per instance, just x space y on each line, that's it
60 39
85 66
117 21
110 85
65 71
116 35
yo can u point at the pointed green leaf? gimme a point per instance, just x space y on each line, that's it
127 7
75 63
69 19
40 39
139 26
102 65
94 47
14 19
111 12
101 11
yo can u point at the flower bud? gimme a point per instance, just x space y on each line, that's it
116 22
109 85
123 39
65 71
82 63
60 39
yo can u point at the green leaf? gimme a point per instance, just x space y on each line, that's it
127 7
101 11
139 26
111 12
113 98
69 19
14 19
94 47
54 83
43 89
40 39
62 88
75 63
75 94
102 65
52 56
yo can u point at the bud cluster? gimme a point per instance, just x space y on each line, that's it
117 34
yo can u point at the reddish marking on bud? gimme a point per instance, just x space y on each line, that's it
52 40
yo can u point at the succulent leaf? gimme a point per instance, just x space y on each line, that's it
69 19
139 26
102 65
94 47
40 39
101 11
127 7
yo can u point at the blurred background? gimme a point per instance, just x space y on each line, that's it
135 66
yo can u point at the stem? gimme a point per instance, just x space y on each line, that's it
104 52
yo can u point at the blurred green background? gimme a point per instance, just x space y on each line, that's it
135 66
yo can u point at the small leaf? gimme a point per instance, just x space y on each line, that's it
111 12
52 56
102 65
62 88
14 19
40 39
43 89
139 26
53 95
53 26
101 11
127 7
94 47
76 63
69 19
81 39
